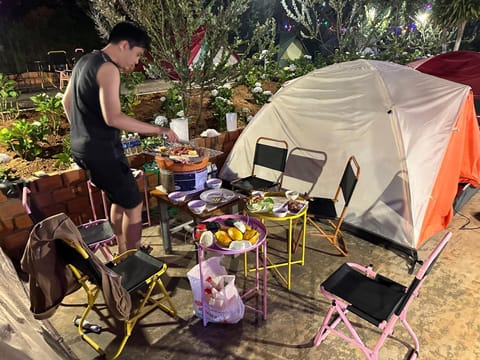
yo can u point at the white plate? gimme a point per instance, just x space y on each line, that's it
217 196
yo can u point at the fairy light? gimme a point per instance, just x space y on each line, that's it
422 18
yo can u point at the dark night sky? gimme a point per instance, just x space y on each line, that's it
15 9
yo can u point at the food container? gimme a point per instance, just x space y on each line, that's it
291 194
280 212
177 197
197 206
214 183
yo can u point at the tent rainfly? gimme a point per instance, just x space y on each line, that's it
459 66
414 135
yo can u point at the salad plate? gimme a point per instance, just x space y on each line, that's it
217 196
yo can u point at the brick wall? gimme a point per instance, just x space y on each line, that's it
67 192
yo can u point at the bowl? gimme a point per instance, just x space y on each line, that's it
291 194
197 206
177 197
214 183
280 212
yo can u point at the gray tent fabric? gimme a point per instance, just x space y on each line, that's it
21 336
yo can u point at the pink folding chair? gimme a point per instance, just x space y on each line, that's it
97 234
374 298
139 175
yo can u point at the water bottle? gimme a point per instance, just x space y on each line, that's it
138 143
130 145
125 144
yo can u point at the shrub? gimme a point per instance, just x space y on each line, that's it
172 103
260 96
220 102
24 137
50 108
8 95
65 157
128 99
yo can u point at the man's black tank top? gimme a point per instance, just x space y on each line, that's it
90 136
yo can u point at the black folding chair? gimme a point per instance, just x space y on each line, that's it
326 208
270 154
58 63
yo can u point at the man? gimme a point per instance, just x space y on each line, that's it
92 104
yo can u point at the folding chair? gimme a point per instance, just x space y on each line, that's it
58 63
326 208
374 298
139 175
270 154
97 234
77 54
129 282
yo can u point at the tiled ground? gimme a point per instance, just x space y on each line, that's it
443 316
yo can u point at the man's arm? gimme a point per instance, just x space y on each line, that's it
108 79
66 100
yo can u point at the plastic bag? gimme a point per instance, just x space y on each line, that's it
223 303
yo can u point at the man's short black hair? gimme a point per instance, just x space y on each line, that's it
131 32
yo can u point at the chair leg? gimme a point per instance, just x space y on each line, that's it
298 237
331 238
416 350
326 328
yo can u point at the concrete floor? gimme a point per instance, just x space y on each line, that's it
443 316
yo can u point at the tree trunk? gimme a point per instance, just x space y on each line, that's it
458 40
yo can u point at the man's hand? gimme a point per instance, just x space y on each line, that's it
169 134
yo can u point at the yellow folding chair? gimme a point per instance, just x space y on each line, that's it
129 283
140 275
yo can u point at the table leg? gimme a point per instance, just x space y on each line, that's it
304 234
289 274
164 227
264 280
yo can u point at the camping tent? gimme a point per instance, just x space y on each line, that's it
414 135
198 50
462 67
290 48
459 66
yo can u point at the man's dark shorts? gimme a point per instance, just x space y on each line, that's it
115 177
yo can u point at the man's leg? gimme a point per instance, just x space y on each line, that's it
127 225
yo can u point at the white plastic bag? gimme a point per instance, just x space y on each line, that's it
223 303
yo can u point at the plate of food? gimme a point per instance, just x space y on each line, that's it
295 206
236 237
260 204
217 196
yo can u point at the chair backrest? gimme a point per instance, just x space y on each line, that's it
92 194
349 180
57 60
73 254
33 211
305 166
423 272
270 156
77 54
